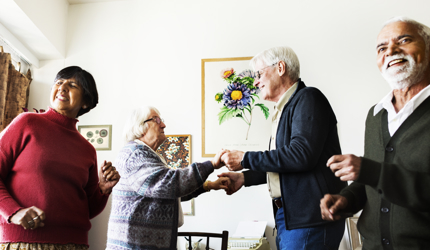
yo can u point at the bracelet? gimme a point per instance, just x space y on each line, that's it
205 186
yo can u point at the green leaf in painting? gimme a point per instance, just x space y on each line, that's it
264 109
227 113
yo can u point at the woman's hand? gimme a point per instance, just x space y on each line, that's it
108 177
29 218
216 161
221 183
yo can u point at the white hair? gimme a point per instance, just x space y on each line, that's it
134 127
422 29
274 55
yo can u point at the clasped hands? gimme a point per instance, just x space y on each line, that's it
346 167
108 177
229 158
231 182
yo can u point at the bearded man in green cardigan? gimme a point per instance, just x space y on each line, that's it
392 179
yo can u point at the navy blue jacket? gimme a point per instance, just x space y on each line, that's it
306 138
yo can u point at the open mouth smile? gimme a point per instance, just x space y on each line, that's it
62 98
396 61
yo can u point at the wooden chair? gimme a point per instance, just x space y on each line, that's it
223 236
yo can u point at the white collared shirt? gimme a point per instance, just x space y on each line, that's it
395 120
180 213
273 183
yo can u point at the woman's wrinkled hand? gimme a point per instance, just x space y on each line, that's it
29 218
220 183
216 161
108 177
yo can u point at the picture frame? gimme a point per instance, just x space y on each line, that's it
232 133
100 136
188 207
176 150
355 239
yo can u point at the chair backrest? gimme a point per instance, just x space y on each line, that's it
223 236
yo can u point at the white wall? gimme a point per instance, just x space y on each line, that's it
149 52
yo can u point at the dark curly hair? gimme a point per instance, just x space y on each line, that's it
87 82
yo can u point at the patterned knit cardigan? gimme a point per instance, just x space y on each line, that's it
144 211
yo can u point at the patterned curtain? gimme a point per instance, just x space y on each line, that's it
14 90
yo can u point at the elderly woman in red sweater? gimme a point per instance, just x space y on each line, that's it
50 186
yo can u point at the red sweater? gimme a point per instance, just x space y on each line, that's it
45 162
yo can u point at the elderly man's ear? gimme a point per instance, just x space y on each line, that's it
281 68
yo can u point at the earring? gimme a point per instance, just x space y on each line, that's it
84 107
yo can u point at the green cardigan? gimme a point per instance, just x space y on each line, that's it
393 187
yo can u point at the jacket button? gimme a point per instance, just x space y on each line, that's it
385 241
389 149
385 210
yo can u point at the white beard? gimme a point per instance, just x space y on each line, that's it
404 76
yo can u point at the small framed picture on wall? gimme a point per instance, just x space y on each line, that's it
100 136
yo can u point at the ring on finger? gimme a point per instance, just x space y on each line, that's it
31 223
35 218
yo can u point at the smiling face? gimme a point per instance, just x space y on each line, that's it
270 82
401 55
67 97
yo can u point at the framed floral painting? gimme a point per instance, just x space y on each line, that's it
233 114
176 150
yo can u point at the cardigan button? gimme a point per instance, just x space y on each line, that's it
385 241
385 210
389 149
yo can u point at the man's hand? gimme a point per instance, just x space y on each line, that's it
237 180
331 207
221 183
347 167
232 160
108 177
29 218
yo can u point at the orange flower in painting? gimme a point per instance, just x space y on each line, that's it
226 73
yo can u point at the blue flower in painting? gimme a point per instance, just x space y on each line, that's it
236 96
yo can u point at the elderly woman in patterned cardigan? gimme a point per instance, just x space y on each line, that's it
146 210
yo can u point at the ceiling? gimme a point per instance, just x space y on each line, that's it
36 29
87 1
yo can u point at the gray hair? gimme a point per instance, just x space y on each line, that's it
134 127
422 29
274 55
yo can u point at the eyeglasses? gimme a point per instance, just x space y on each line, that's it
157 119
258 74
